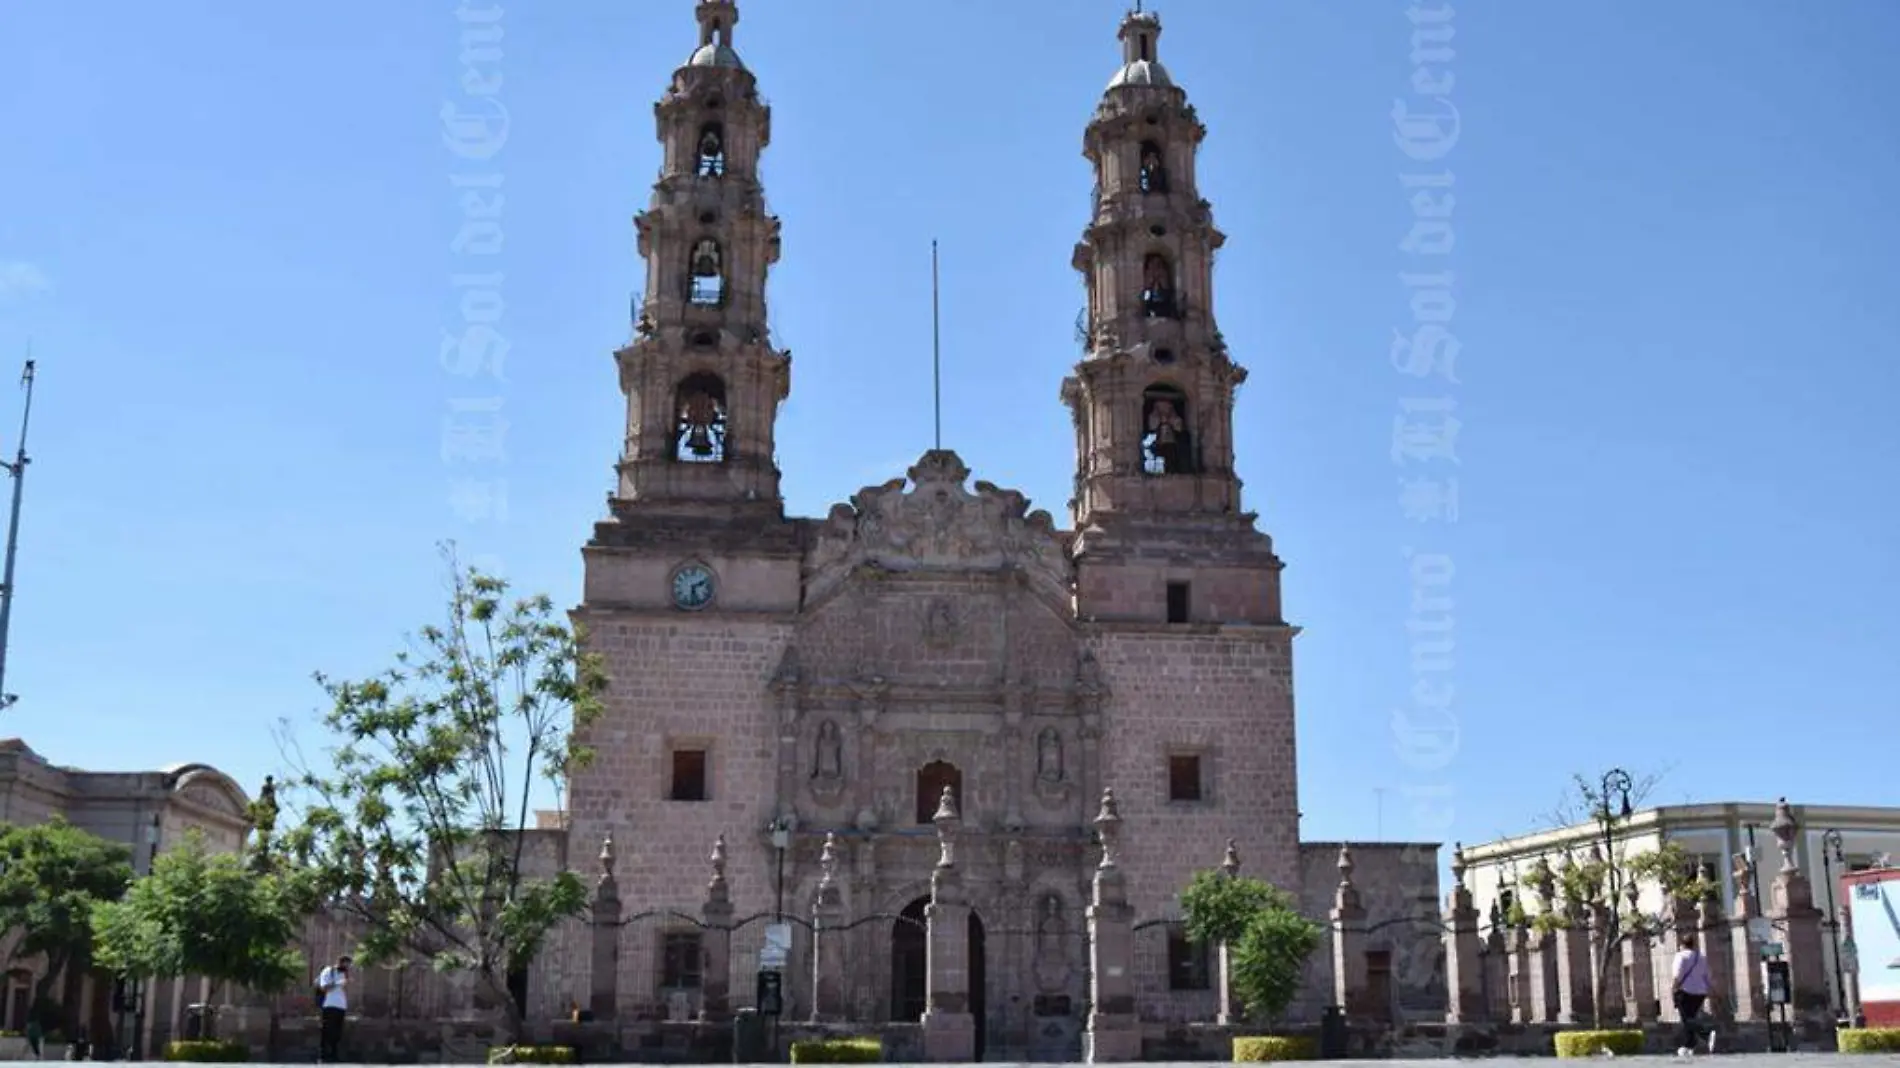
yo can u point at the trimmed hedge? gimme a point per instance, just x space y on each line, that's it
862 1049
208 1051
531 1055
1255 1048
1594 1043
1869 1039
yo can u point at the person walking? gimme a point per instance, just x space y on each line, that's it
1691 989
333 986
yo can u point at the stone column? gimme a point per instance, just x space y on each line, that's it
785 696
1717 948
1747 993
1349 945
827 944
606 930
1464 952
1799 922
715 988
1684 919
1642 965
1113 1034
1013 701
1546 993
949 1029
870 706
1607 979
1524 975
1224 982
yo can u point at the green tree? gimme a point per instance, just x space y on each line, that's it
207 915
417 831
1592 886
51 876
1268 940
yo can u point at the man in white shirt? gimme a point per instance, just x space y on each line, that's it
1691 989
333 986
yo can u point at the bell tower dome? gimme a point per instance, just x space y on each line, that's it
1157 510
702 379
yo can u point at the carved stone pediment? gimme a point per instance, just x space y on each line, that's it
937 525
206 796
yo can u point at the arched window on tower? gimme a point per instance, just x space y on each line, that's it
708 284
712 150
1153 177
1157 288
1167 441
699 420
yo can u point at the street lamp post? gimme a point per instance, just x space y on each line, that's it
1832 854
781 840
1616 783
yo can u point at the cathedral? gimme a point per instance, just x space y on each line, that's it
792 698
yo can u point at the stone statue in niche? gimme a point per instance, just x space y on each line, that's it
828 757
1049 756
1052 958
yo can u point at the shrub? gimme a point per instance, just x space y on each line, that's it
531 1055
862 1049
1870 1039
208 1051
1595 1043
1274 1048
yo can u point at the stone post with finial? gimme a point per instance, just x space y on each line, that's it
1642 1006
1113 1034
1464 952
1350 985
828 934
1229 1013
1607 937
1571 942
1496 967
604 988
1748 996
949 1029
1798 921
1716 947
1546 993
715 983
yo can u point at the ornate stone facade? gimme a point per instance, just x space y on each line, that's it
808 692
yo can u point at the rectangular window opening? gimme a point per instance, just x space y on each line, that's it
680 961
689 776
1177 602
1184 777
1190 965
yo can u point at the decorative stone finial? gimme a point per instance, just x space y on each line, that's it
1230 863
828 861
1785 829
1345 865
1108 824
1634 893
1712 887
607 855
947 820
1544 882
1458 863
718 862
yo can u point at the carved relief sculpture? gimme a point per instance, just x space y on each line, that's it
1049 756
1052 942
828 753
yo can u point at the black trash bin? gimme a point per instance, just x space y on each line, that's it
197 1022
1332 1034
748 1037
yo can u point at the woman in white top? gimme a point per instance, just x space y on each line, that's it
1691 989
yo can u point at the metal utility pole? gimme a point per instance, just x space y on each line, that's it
18 470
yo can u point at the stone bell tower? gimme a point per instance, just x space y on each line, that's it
1161 534
702 380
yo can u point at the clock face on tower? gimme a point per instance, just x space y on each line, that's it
692 587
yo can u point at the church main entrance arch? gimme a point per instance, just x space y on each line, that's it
910 967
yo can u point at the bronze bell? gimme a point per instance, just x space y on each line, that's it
699 441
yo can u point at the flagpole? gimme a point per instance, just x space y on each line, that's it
18 470
936 349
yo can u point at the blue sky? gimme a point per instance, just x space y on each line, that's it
227 231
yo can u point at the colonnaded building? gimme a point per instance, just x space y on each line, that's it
779 679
